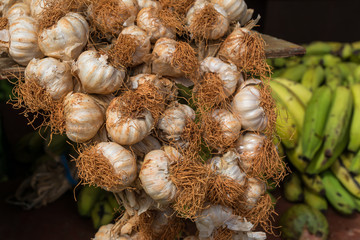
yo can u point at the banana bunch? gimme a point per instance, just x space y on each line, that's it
318 104
98 204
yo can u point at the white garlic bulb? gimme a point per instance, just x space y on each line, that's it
148 144
219 28
248 145
247 105
143 43
163 53
123 162
255 189
173 121
24 40
83 117
5 5
37 7
148 20
104 233
227 72
17 10
127 131
96 74
235 9
249 236
51 74
227 165
155 175
66 39
216 216
148 3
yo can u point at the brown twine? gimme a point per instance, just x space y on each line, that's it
121 53
203 22
184 59
38 103
95 169
171 19
179 6
3 23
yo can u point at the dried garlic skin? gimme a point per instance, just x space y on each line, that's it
127 131
122 160
51 74
220 27
227 72
235 9
148 20
143 44
255 189
104 233
146 145
66 39
248 145
249 236
24 40
96 74
83 117
163 53
5 5
173 121
155 175
18 10
165 86
36 7
148 3
247 105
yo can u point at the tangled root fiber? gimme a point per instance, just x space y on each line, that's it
203 22
3 23
179 6
184 59
267 102
121 53
171 19
222 233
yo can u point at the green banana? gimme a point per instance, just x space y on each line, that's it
314 183
357 74
279 62
293 190
354 143
298 89
338 197
344 176
346 51
316 115
311 60
318 48
330 60
292 61
315 200
354 166
276 73
333 77
88 196
347 71
295 158
357 203
286 127
288 99
336 132
313 77
294 73
113 202
101 214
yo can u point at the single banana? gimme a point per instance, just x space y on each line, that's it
354 143
357 203
357 74
346 51
311 60
295 158
288 99
314 183
102 214
293 190
318 48
347 71
336 132
88 197
316 115
294 73
330 60
354 166
315 200
344 176
286 127
337 195
333 77
292 61
313 77
298 89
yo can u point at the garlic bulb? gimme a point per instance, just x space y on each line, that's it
216 216
66 39
51 74
218 28
249 236
148 3
127 131
163 53
148 144
148 20
18 10
24 40
227 72
143 43
248 145
5 5
255 189
37 7
105 233
155 175
123 162
235 9
173 121
96 74
247 105
83 117
227 165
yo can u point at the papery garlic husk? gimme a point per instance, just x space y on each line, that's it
127 130
248 146
216 216
24 40
136 201
255 189
227 72
202 30
83 117
4 35
18 10
105 233
51 74
96 74
145 146
143 44
236 10
148 3
249 236
37 7
5 5
148 20
173 121
155 175
222 128
247 106
66 39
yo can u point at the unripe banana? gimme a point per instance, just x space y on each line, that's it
298 89
333 77
296 159
286 127
293 190
330 60
314 183
318 48
346 51
354 143
294 73
347 71
102 214
354 166
311 60
88 196
313 77
315 200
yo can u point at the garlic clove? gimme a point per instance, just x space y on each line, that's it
255 189
17 10
148 144
248 145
